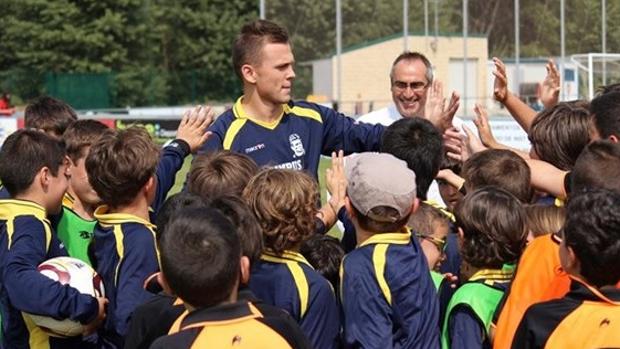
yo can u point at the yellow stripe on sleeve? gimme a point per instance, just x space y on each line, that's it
378 260
302 285
232 131
304 112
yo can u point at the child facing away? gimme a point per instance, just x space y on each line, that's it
388 298
34 171
121 168
491 226
589 315
203 264
284 203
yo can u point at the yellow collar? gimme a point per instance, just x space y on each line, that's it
495 275
399 238
240 113
13 207
286 257
102 215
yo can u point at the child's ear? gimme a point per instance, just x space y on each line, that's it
44 177
614 139
349 207
573 261
460 233
161 280
149 189
245 270
415 205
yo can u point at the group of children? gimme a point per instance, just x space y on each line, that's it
525 254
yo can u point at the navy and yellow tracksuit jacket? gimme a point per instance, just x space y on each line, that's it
586 317
171 160
296 140
388 297
125 255
238 325
289 282
26 240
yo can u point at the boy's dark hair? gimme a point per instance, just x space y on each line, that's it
375 226
592 231
606 111
426 218
559 134
450 164
50 115
598 166
325 254
82 134
245 223
200 255
417 142
284 203
220 173
120 164
173 206
493 224
501 168
247 47
23 154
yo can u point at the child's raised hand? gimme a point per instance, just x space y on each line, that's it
336 182
482 124
550 88
193 126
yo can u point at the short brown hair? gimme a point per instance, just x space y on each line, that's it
119 164
559 134
427 218
501 168
284 202
375 226
413 56
247 47
50 115
220 173
544 219
493 224
82 134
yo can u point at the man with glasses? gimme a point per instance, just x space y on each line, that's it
411 81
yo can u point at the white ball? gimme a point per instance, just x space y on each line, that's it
77 274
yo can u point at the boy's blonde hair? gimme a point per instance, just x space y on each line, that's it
284 202
544 219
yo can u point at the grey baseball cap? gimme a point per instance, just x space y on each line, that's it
380 179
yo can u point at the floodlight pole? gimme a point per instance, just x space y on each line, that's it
338 53
465 34
405 24
562 51
426 24
517 48
261 8
604 37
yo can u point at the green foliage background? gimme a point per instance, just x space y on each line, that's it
161 52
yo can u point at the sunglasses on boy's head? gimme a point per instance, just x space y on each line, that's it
439 243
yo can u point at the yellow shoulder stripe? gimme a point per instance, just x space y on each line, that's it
48 235
302 285
304 112
378 260
232 131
